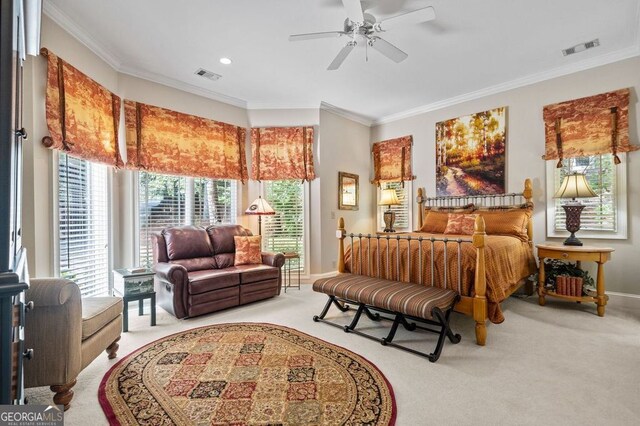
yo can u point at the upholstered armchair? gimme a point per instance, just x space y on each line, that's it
66 333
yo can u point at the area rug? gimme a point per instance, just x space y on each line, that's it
245 374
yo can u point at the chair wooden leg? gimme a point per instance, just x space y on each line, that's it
112 349
64 394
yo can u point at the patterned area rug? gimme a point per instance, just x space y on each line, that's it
242 374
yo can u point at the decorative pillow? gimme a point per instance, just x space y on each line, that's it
436 218
507 222
461 224
248 250
523 206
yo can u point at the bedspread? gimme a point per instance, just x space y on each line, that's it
507 259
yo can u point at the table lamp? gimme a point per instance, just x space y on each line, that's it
260 207
389 198
574 186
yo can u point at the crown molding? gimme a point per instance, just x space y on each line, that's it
349 115
583 65
80 34
180 85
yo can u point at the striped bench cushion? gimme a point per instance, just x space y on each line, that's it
406 298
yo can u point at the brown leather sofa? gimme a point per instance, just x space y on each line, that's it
195 272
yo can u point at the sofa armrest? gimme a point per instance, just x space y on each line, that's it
175 274
53 329
273 259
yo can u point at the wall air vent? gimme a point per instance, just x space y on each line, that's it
581 47
210 75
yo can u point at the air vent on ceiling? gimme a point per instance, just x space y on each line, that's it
581 47
210 75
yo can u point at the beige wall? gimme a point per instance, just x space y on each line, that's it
525 147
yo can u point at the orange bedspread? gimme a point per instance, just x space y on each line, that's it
508 260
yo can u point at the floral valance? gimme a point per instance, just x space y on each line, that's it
282 153
164 141
392 160
82 116
588 126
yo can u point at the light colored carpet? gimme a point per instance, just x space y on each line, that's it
558 364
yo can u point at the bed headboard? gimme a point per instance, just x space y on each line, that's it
512 199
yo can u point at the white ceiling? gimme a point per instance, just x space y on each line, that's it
471 48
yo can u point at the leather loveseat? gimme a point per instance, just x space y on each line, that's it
196 275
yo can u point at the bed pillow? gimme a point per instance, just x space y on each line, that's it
436 218
461 224
507 221
248 250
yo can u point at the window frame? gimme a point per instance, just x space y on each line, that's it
306 226
620 205
55 220
380 209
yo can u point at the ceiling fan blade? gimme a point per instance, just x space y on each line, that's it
311 36
354 10
387 49
409 18
342 55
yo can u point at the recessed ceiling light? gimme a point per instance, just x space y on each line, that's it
225 61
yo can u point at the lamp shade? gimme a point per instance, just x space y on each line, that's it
575 185
260 207
389 197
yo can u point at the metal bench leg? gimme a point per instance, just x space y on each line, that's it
371 315
356 318
445 331
325 309
394 328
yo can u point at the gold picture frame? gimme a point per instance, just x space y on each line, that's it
348 191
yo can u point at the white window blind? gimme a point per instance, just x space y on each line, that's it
161 204
214 202
284 231
83 215
402 210
599 213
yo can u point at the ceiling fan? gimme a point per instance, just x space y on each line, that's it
364 26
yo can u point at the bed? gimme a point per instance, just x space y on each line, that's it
483 268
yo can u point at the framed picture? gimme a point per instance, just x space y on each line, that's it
348 191
470 154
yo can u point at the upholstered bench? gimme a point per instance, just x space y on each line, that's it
430 305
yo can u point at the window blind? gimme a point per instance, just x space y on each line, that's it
284 231
599 213
83 224
402 210
215 201
161 204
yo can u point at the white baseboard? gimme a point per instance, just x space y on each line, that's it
624 299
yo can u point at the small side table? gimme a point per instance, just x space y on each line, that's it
286 279
132 286
600 255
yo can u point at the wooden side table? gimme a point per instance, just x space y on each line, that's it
132 286
600 255
286 281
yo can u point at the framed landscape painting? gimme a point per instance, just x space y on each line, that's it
470 154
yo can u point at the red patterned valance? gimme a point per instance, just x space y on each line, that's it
588 126
164 141
282 153
82 116
392 160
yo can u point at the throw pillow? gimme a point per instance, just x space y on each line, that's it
436 218
507 222
248 250
461 224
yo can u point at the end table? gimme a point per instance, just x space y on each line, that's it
286 281
132 285
600 255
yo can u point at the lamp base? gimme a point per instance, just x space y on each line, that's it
389 218
572 240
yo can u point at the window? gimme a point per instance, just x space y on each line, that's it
165 201
83 216
603 216
215 201
285 231
403 210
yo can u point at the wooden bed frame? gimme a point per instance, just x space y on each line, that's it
475 306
